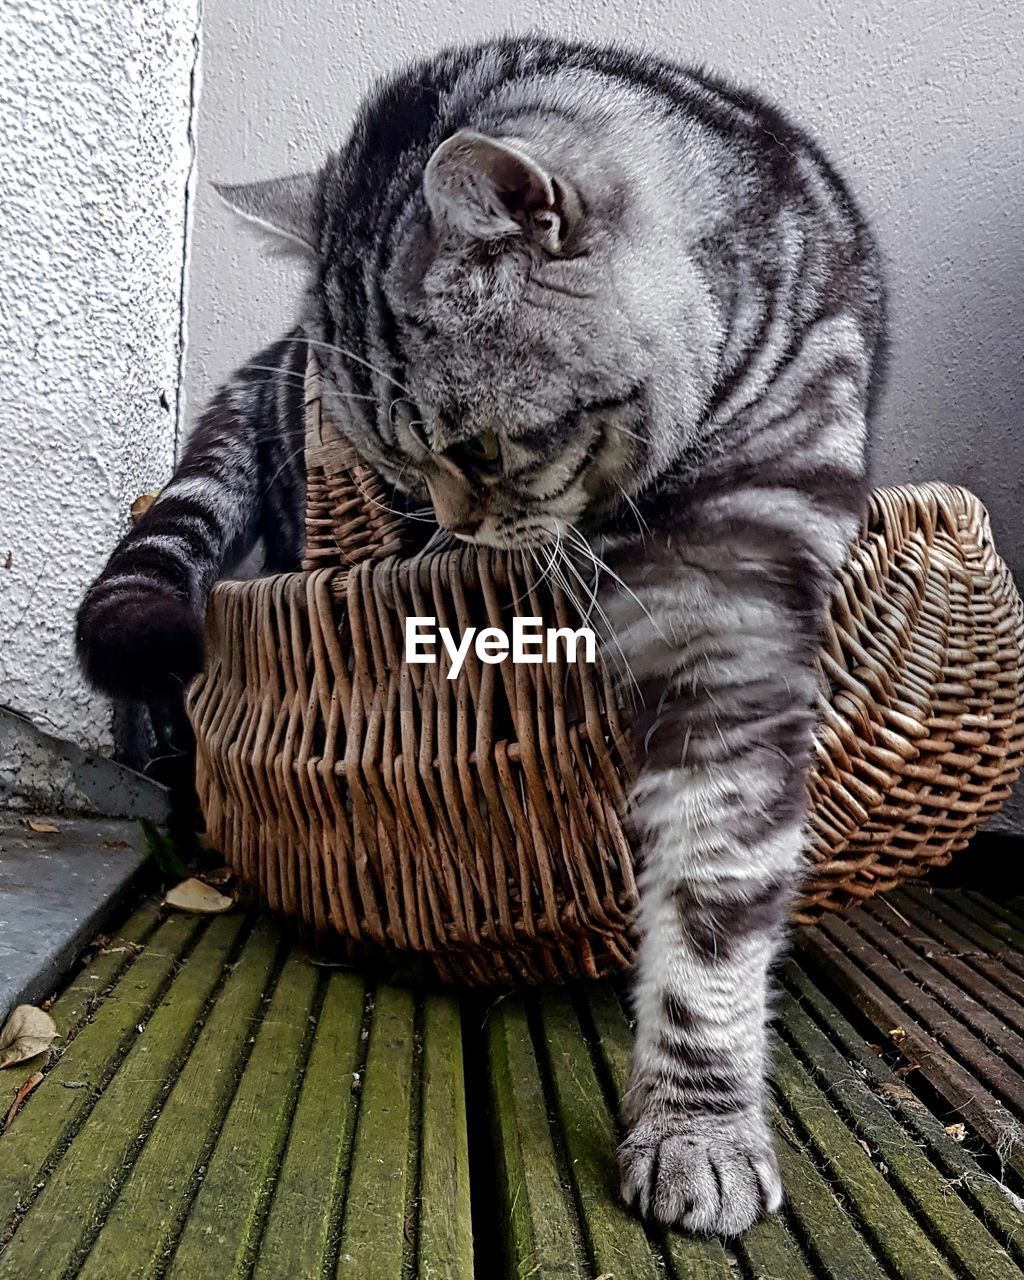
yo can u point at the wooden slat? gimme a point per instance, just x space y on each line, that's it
540 1230
770 1252
377 1234
894 1233
967 940
989 982
950 1223
101 970
916 1043
956 997
830 1231
61 1103
1001 922
284 1124
296 1241
985 1065
143 1222
223 1226
445 1220
977 925
960 1170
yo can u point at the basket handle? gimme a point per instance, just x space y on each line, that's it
347 515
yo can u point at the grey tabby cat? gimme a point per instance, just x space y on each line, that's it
564 291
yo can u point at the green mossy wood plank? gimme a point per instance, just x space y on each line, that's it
60 1223
287 1143
376 1232
540 1230
54 1111
144 1220
617 1241
962 1237
689 1257
445 1228
771 1253
296 1240
833 1237
895 1234
222 1230
961 1172
94 978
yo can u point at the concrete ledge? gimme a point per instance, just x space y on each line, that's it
42 773
57 890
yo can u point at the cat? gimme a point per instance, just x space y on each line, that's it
571 294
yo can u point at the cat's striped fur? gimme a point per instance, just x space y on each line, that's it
561 286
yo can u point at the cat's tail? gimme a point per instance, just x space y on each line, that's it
139 631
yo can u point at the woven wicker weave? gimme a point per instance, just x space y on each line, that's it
482 822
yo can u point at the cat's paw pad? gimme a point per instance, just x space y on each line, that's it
713 1179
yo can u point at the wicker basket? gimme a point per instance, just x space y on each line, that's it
481 822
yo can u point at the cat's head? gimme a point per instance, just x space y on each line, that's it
513 344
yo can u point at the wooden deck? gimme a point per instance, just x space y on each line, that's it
222 1106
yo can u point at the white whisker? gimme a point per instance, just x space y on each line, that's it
351 355
642 524
600 566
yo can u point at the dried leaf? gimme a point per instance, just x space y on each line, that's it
957 1131
193 895
861 1143
898 1033
143 503
33 1082
115 844
27 1032
46 827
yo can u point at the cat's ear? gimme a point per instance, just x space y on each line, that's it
487 188
284 206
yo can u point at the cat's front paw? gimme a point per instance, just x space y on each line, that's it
710 1176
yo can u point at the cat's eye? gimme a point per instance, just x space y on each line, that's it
482 448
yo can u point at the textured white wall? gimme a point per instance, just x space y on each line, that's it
95 110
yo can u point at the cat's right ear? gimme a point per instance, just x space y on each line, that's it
489 188
283 206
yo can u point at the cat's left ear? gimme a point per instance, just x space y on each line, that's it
284 206
489 188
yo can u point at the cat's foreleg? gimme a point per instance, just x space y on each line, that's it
720 803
